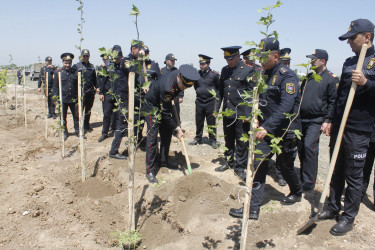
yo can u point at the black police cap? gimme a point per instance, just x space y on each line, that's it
146 48
189 75
119 51
48 58
85 52
204 58
358 26
270 43
319 54
67 56
231 51
137 43
285 54
170 56
248 53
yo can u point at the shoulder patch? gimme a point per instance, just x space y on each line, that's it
371 63
215 72
290 88
127 64
283 70
331 74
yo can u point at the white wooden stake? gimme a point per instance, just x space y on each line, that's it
250 169
46 103
131 150
61 119
81 131
24 96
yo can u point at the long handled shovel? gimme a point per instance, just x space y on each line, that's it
348 105
183 142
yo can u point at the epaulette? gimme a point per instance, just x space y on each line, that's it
331 74
283 70
213 71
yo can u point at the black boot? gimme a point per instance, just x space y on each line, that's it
222 168
151 178
291 199
342 227
238 213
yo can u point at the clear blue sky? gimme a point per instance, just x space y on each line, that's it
32 28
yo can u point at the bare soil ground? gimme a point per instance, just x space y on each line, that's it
44 204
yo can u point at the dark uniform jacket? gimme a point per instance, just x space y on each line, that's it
233 82
125 68
209 81
166 71
153 70
42 76
110 83
19 74
281 97
362 112
69 85
88 73
318 98
161 94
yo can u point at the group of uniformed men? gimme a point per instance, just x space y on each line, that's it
316 106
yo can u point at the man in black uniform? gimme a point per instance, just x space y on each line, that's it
152 67
69 88
89 83
359 126
170 61
205 104
161 117
369 164
233 82
122 95
99 79
281 97
285 56
19 76
248 58
108 88
50 70
316 112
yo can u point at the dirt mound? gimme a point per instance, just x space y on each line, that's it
185 205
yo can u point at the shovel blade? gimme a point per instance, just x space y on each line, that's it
308 224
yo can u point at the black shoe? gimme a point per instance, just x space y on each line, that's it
169 165
291 199
195 142
54 116
282 182
222 168
102 138
117 156
328 215
238 213
214 144
151 178
342 227
65 136
49 116
89 129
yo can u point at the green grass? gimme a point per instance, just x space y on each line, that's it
127 240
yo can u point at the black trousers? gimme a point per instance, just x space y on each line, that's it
308 151
88 102
109 117
233 130
165 128
177 105
367 169
286 158
349 167
50 102
74 109
204 111
122 126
